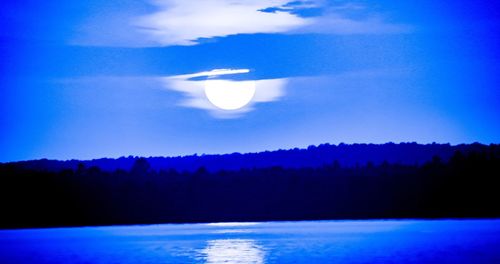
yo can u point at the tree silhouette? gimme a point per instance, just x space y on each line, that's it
465 184
140 167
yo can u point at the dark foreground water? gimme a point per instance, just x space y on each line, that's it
443 241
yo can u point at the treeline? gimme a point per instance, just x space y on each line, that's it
312 156
466 185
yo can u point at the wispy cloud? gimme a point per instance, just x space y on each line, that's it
185 22
181 22
267 90
340 25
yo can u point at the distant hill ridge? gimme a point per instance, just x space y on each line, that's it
313 156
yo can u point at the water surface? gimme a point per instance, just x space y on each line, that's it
405 241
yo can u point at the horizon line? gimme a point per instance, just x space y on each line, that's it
251 152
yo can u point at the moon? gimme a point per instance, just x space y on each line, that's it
229 95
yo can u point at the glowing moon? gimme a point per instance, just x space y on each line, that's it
229 95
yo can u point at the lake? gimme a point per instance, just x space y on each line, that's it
382 241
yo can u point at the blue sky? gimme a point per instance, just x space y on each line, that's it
97 78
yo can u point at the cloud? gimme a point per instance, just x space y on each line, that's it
339 25
181 22
267 90
187 22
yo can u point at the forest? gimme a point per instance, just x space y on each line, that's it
465 184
